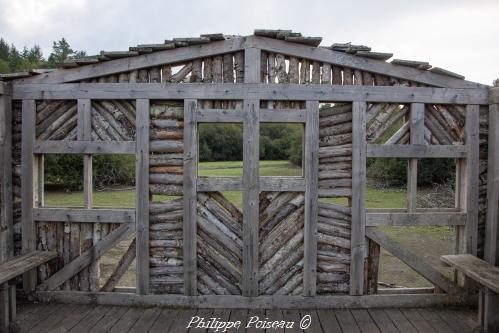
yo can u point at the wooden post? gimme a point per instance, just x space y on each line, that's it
142 196
190 197
416 124
84 132
7 310
311 198
252 65
472 174
358 198
489 314
28 182
251 134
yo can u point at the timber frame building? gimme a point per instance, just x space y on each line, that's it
288 246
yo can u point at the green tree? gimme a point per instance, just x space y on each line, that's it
61 51
4 50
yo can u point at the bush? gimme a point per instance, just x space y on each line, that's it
66 171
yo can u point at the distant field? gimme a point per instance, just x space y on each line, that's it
429 242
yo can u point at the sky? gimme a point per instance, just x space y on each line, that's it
458 35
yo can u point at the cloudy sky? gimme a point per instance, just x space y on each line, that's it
459 35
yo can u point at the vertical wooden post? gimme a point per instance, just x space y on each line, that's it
190 196
28 183
251 134
416 124
472 174
311 198
358 198
252 65
84 132
490 313
7 311
142 196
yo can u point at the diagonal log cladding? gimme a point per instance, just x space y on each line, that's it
56 120
113 120
219 245
281 243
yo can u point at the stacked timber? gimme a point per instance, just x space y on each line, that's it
166 148
444 124
16 173
219 245
335 181
482 198
56 120
166 214
113 120
165 252
281 243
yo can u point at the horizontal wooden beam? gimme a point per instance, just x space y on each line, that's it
95 215
84 147
278 184
141 61
282 116
415 219
417 151
388 94
219 116
406 291
412 260
5 88
243 302
20 264
362 63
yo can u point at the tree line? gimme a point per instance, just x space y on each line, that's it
13 59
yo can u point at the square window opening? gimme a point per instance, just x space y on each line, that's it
386 183
113 181
281 150
436 183
220 150
62 180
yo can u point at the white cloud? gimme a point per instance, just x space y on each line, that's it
458 35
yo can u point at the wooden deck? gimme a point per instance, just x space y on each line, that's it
86 318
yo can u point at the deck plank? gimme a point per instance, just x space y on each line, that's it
109 319
292 315
93 317
206 314
260 313
315 323
347 321
400 321
241 315
164 321
146 320
50 320
364 321
72 319
274 314
127 321
453 321
382 320
418 321
328 321
25 323
180 322
435 321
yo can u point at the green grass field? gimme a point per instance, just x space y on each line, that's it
391 198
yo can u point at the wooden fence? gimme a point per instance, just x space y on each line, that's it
286 247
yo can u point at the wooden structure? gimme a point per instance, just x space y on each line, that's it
286 247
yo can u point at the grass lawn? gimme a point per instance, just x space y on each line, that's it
429 242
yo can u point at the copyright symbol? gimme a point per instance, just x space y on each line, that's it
305 322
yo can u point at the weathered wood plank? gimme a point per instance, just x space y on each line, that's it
283 116
219 116
475 268
351 61
252 65
358 198
86 258
311 198
415 219
411 259
142 195
28 182
472 178
84 215
251 134
83 147
416 123
20 264
491 254
386 94
159 58
190 197
242 302
6 222
417 151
